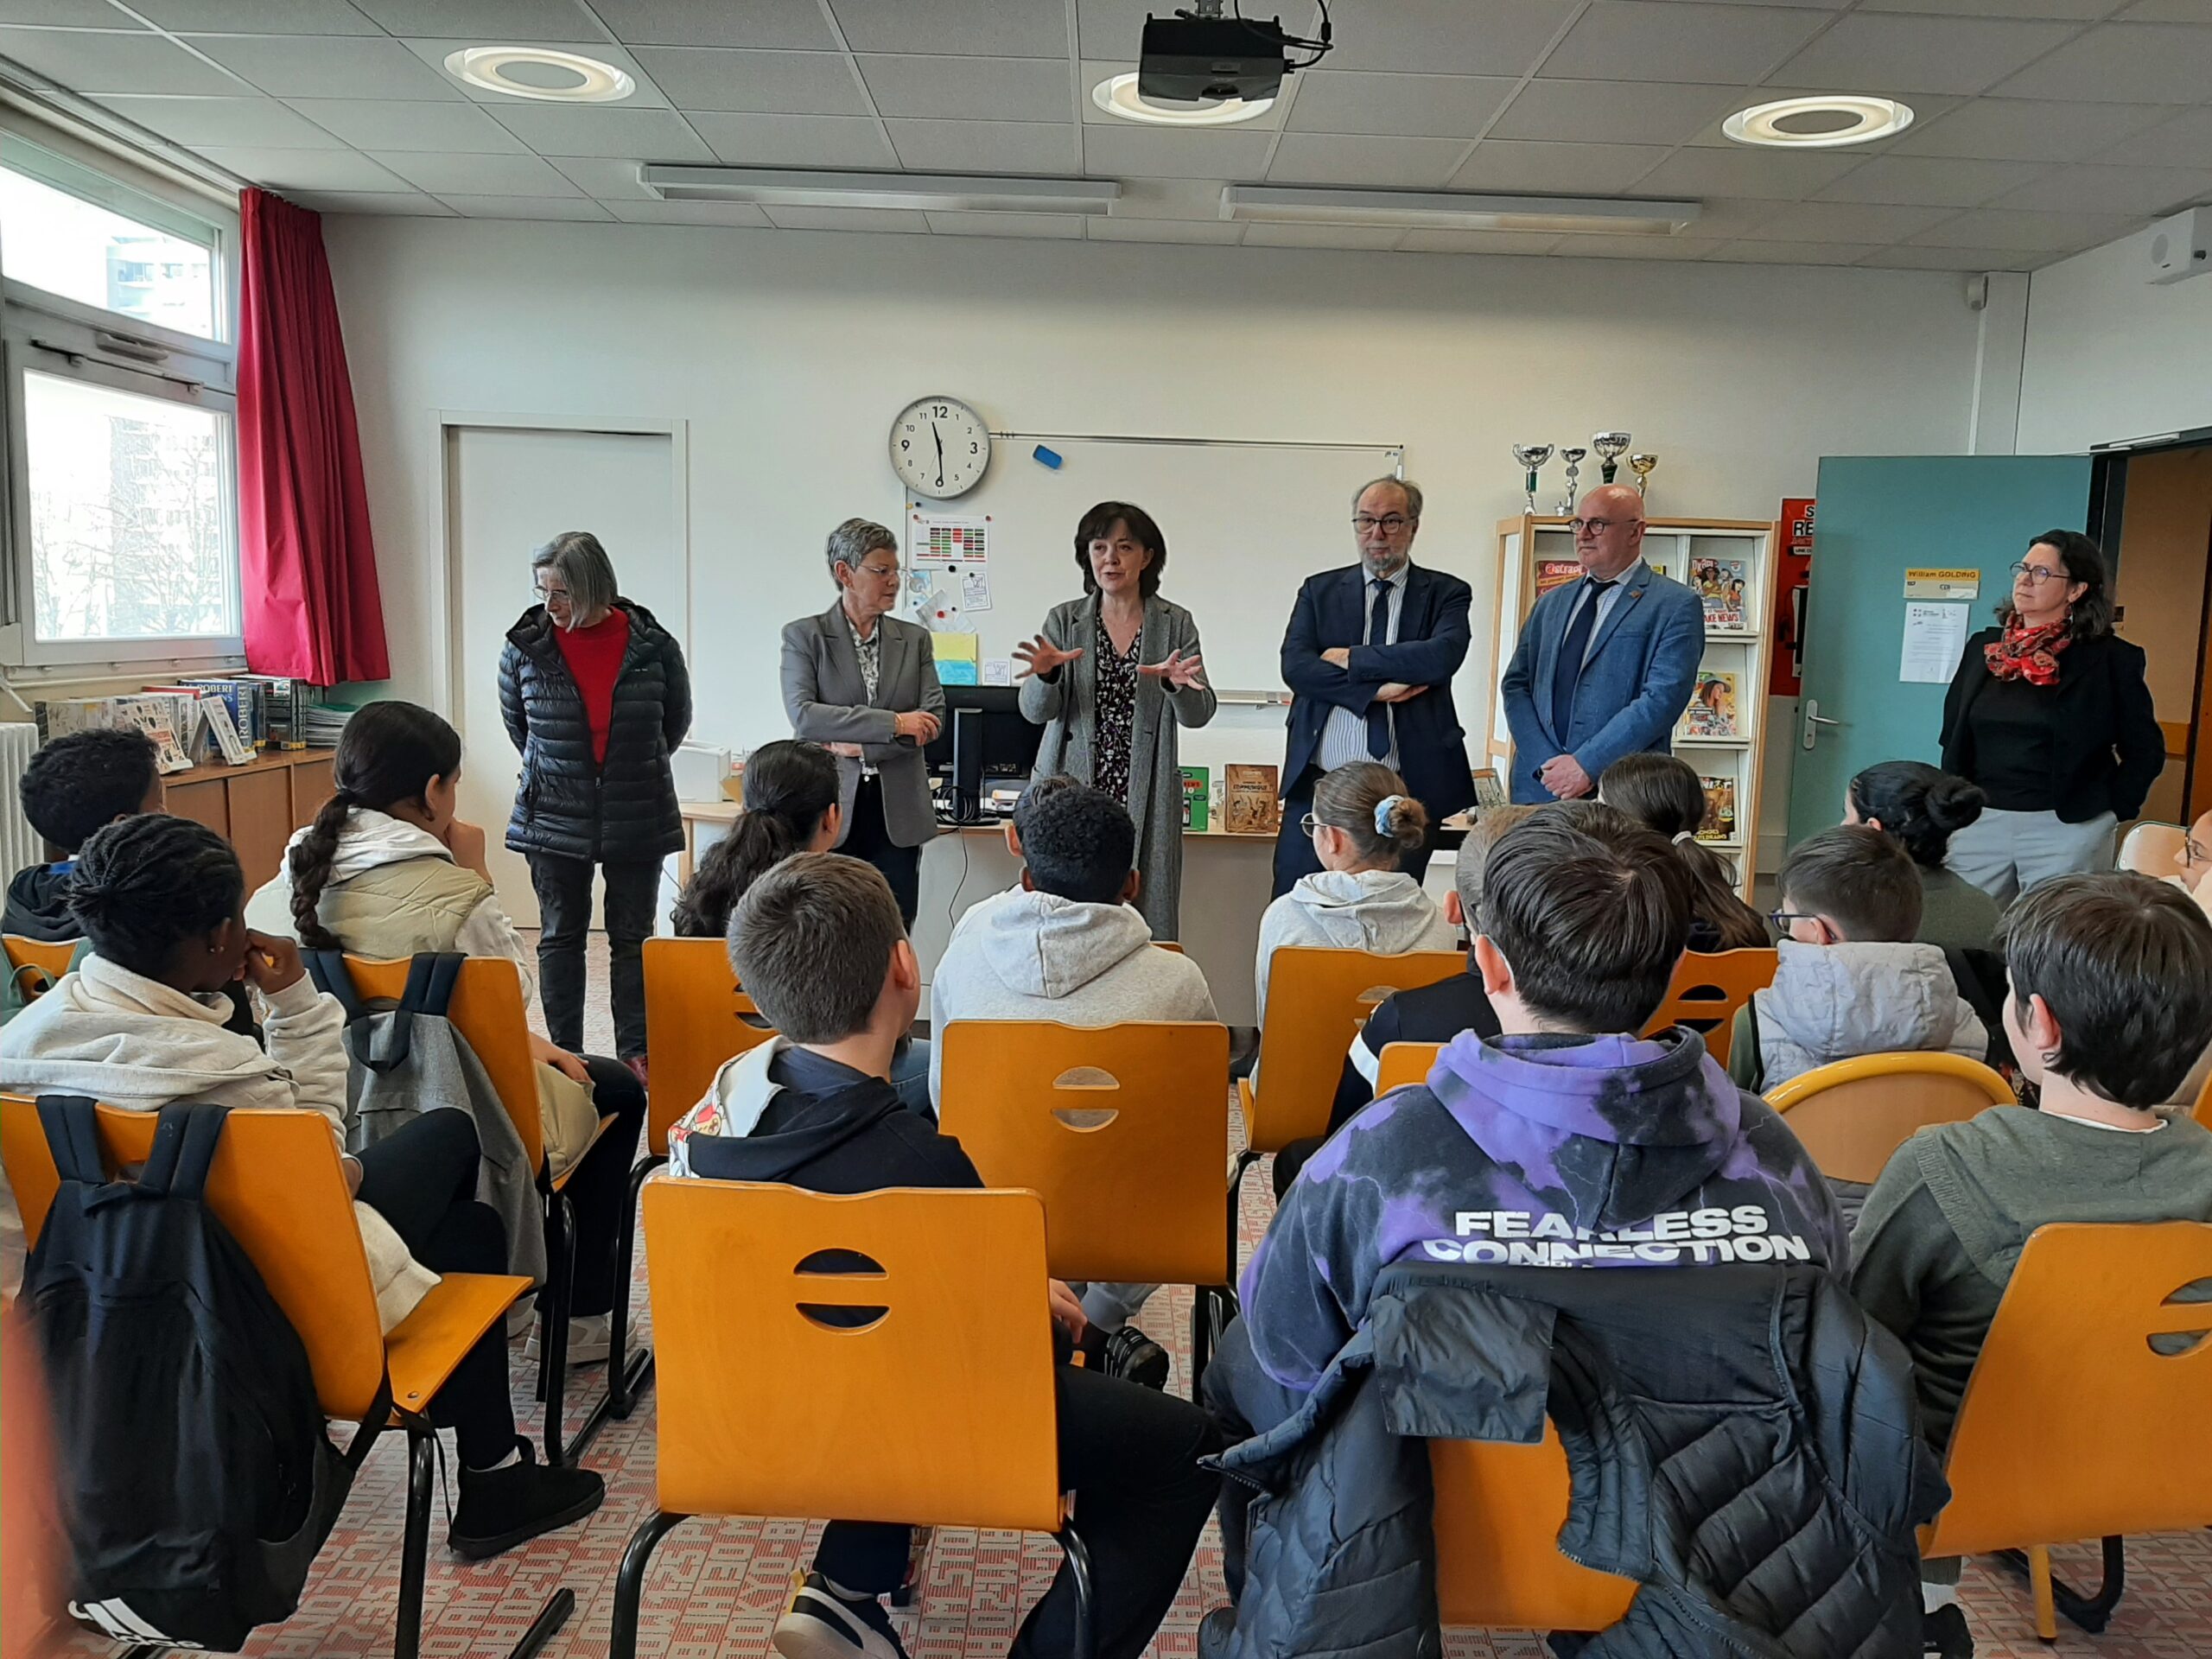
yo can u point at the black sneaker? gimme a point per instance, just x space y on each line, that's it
1944 1632
501 1508
1214 1631
1134 1357
819 1623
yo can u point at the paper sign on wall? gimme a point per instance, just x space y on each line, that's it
957 655
948 572
998 670
1934 636
1932 584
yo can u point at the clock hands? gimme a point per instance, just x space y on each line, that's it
939 437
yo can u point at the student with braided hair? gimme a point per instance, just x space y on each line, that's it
386 870
140 1025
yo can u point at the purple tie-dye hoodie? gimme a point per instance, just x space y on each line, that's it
1536 1151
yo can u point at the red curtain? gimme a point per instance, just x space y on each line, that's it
309 571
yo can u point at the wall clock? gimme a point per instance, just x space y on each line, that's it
939 447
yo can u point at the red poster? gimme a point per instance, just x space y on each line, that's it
1792 573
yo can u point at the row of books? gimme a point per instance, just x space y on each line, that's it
1719 584
1245 799
225 718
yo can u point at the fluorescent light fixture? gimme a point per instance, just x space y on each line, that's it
777 187
1117 95
540 72
1825 121
1453 209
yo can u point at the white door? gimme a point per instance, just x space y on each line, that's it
509 490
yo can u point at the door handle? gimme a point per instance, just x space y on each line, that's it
1815 720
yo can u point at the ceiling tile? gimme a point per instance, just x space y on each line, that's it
304 169
255 16
1148 153
1910 258
2078 11
433 54
407 123
2153 190
1874 223
605 178
1558 169
412 204
1435 106
92 62
504 23
1478 241
252 123
69 13
527 207
1893 55
1724 217
295 67
444 175
1381 164
1795 253
1645 40
2139 62
741 215
795 140
2163 11
2027 130
1637 247
768 83
1614 111
794 24
2185 141
1928 182
1366 237
971 89
1041 146
1162 230
1051 227
1741 170
1444 37
977 27
626 135
850 219
1999 227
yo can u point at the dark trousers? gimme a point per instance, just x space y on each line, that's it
563 888
1294 855
1131 1454
602 1183
868 840
1244 1401
421 1178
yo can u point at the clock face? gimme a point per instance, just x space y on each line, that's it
939 447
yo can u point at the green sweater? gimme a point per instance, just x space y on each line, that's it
1953 913
1946 1223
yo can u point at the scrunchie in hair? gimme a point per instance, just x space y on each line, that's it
1383 813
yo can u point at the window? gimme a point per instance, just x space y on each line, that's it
67 230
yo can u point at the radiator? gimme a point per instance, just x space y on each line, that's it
18 845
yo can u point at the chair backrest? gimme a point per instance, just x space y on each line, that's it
1404 1063
52 959
1318 998
1123 1130
276 1186
1169 944
487 1013
2073 1426
2150 849
1707 990
1852 1114
760 1400
1498 1509
694 1022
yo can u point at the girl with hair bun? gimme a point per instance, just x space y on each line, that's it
1922 807
1363 822
1662 794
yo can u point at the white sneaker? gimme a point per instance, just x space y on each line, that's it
591 1338
821 1625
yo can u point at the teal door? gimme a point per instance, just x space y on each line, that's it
1877 518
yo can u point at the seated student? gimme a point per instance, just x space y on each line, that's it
140 1024
386 870
2111 1000
1662 794
1069 944
818 943
74 785
1362 822
1851 980
1923 807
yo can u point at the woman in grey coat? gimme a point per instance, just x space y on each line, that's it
1110 678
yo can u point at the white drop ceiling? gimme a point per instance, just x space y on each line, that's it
2045 126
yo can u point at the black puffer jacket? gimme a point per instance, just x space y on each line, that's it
625 810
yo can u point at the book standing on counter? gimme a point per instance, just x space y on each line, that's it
1196 789
1251 804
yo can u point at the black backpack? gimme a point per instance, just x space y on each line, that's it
196 1484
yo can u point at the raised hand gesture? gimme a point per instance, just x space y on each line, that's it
1181 673
1042 656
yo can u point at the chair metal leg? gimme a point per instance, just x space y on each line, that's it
1086 1601
2054 1596
415 1546
623 1381
630 1581
550 1617
553 1333
1245 1159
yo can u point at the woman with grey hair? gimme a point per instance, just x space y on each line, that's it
863 685
596 696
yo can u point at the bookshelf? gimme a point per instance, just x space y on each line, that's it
1734 670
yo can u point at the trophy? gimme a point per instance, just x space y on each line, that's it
1574 460
1641 465
1531 456
1609 446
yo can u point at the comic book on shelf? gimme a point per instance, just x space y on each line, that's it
1250 806
1719 585
1556 573
1711 712
1719 822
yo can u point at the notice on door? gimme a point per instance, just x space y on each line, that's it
1935 635
1943 584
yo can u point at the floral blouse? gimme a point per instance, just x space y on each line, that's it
1116 679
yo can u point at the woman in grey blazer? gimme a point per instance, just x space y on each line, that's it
1111 677
863 685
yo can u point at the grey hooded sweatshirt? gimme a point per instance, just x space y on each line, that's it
1837 1001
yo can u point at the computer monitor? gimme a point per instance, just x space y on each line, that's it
1004 747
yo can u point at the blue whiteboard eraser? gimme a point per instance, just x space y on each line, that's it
1050 458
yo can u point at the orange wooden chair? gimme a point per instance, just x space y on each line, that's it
2073 1426
276 1186
1404 1063
1499 1511
1123 1130
1707 990
758 1396
1852 1114
52 959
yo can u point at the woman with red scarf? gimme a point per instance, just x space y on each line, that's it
2048 714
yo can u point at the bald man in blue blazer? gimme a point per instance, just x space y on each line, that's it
1606 664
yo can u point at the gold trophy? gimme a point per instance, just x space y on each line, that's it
1609 446
1642 466
1531 457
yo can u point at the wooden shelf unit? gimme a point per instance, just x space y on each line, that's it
255 807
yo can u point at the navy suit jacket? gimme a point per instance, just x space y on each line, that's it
1331 612
1636 681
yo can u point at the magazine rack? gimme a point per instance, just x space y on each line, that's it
1723 733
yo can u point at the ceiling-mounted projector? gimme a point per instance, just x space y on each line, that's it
1191 60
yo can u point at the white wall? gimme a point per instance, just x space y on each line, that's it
788 352
2110 356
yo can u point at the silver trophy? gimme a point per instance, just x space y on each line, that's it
1610 446
1574 460
1531 457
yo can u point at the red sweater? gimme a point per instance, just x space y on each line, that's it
594 659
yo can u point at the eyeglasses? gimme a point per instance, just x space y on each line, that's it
1595 526
1390 524
1307 825
551 596
2035 572
2192 851
879 570
1783 918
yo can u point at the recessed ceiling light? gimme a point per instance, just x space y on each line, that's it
540 72
1117 95
1820 122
